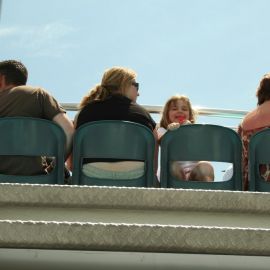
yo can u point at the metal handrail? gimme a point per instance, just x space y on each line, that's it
157 109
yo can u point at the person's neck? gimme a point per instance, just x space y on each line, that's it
265 104
7 87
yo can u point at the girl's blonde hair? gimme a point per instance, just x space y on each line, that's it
164 122
114 81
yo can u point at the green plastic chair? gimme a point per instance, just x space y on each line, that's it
259 153
26 136
201 142
114 139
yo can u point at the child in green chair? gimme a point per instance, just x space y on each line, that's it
177 112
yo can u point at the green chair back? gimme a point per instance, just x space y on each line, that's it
201 142
259 153
114 139
26 136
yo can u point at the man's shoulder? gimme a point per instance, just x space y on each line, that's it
28 90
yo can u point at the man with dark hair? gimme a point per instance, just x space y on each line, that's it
19 99
15 72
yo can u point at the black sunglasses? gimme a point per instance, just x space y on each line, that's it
136 85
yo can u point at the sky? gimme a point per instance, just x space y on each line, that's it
213 51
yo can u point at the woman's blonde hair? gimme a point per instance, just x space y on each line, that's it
164 122
114 81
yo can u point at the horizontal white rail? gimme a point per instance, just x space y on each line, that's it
226 113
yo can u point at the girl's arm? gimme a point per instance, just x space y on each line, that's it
159 133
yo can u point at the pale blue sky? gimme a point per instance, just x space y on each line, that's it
214 51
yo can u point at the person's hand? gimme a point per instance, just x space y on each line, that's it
187 122
173 126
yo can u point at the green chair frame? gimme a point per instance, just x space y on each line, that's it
259 153
27 136
114 139
201 142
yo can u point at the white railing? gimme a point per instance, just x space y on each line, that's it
157 109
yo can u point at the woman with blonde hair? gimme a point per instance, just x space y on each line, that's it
114 99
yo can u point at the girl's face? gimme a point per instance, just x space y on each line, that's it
178 109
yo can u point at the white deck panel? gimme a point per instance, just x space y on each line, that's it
126 221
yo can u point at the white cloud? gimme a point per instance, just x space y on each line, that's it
52 39
8 31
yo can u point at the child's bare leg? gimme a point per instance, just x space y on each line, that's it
203 171
177 171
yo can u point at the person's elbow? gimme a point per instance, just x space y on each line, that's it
66 124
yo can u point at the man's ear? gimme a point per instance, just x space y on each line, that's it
2 81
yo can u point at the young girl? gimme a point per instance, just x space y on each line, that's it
178 111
